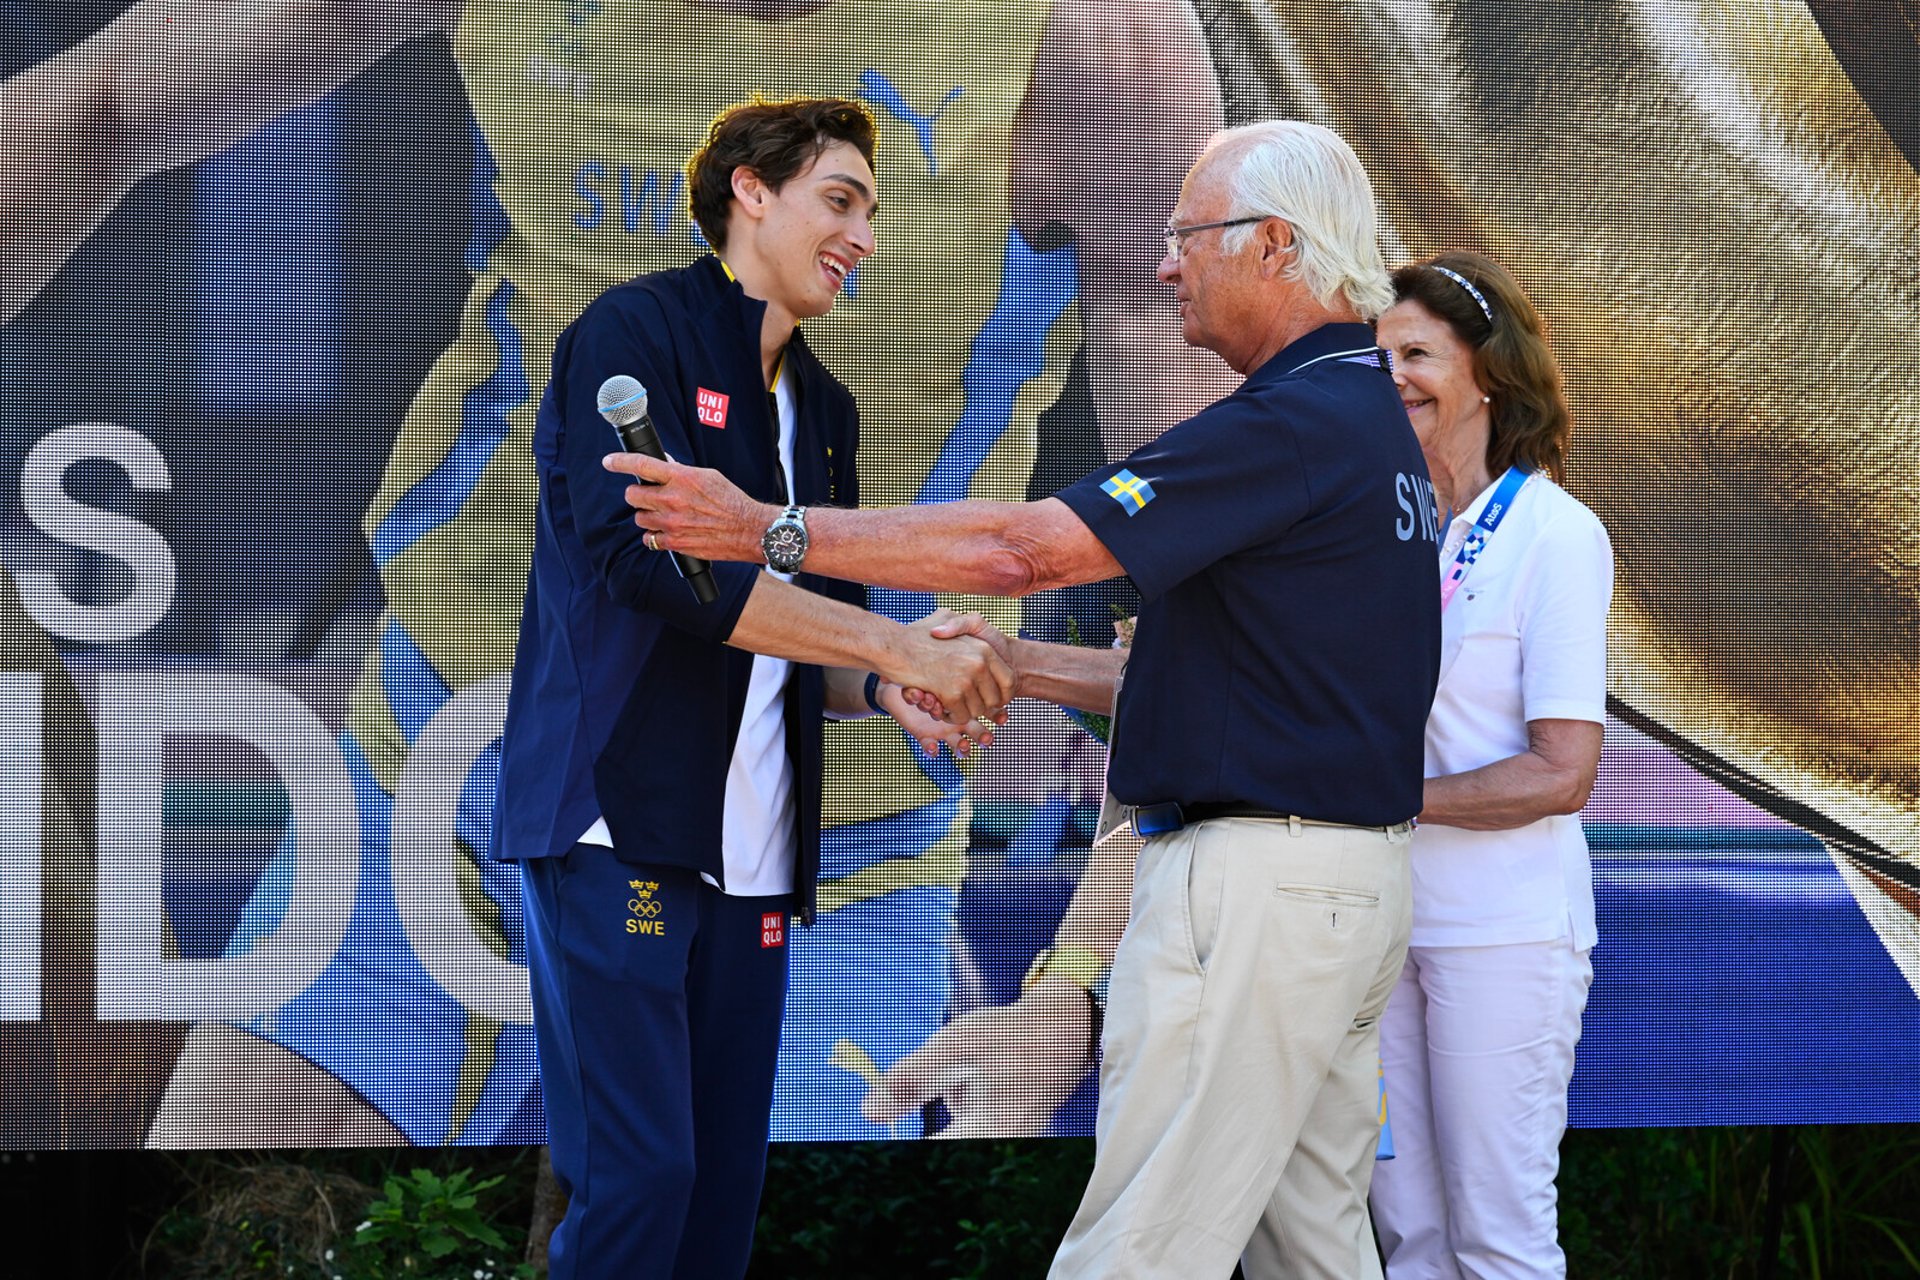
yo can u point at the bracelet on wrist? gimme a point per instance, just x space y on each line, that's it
873 692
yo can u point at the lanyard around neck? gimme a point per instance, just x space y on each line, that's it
1482 532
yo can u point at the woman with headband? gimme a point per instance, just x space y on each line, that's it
1478 1040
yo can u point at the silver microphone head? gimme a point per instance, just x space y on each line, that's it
622 400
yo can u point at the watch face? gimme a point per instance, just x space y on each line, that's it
785 545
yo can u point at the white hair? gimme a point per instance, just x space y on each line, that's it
1305 174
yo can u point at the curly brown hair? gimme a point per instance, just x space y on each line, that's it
777 140
1531 424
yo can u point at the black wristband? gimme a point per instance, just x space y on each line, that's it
873 692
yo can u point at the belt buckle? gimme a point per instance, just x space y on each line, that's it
1157 819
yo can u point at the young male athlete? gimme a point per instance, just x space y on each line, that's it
658 881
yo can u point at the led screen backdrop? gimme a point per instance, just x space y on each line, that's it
281 289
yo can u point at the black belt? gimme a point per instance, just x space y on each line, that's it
1158 819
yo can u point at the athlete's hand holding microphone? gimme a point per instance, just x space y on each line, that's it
623 402
706 509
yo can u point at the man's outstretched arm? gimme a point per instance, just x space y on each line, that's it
979 548
166 83
1067 675
964 673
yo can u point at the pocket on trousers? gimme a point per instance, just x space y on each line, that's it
1340 909
1321 893
1206 882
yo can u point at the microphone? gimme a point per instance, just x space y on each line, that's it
623 402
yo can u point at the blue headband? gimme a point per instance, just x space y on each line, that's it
1466 284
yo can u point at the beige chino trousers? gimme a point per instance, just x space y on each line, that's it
1240 1081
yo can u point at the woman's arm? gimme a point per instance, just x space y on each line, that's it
1553 775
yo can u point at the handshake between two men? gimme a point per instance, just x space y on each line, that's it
977 548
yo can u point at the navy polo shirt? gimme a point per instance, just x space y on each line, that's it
1285 551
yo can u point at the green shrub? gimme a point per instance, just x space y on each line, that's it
1649 1204
430 1226
318 1216
938 1210
1635 1204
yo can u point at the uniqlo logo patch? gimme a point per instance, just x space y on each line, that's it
773 930
711 406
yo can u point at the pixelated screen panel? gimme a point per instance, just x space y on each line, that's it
267 385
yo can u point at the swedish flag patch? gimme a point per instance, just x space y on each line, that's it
1129 490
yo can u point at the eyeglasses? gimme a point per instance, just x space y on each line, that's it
1177 236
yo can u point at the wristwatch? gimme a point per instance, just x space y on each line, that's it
785 541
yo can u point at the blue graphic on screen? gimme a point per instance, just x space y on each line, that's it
1737 982
269 267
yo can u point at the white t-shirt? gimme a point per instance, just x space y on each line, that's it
757 826
1525 638
756 831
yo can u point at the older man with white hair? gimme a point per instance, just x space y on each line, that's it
1268 737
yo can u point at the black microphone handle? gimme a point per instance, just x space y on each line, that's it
640 437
